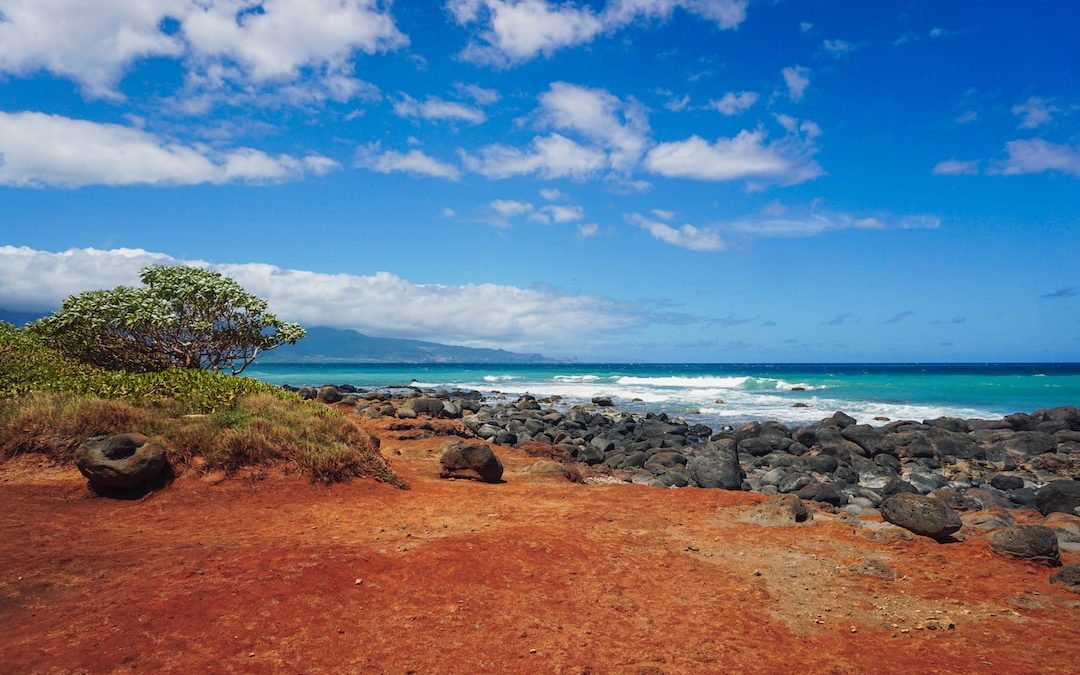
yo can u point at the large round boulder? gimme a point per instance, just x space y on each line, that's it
461 459
1068 576
1030 542
1062 496
328 394
423 405
921 514
716 465
122 461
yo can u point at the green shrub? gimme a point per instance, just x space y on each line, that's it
50 404
27 365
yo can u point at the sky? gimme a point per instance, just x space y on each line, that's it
617 180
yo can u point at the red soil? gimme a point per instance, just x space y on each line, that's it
537 574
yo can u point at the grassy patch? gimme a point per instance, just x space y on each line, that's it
50 404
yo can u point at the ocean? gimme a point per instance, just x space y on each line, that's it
718 394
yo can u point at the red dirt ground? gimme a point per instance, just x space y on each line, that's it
535 575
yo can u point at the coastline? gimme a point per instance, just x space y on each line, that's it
538 573
834 460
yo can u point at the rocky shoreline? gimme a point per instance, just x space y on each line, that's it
971 464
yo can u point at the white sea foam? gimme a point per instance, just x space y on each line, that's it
698 382
719 400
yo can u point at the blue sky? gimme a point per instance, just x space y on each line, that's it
641 180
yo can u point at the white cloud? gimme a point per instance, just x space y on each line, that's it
412 162
510 207
91 45
551 156
380 303
1035 111
224 43
553 195
562 213
39 150
507 209
448 212
514 31
287 36
967 117
733 103
586 230
435 108
715 236
481 95
838 48
955 167
684 236
663 214
797 79
805 26
518 31
621 128
677 104
1038 156
746 155
812 222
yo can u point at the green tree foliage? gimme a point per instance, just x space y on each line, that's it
182 317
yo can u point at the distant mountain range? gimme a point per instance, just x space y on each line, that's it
324 345
20 318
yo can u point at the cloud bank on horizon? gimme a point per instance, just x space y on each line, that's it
661 161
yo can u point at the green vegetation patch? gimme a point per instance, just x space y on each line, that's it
50 404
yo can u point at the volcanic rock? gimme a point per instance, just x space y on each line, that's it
1030 542
464 459
920 514
1060 495
123 461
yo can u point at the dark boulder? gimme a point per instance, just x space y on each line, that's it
1068 576
829 493
1028 443
662 461
755 447
1062 496
123 461
920 514
589 454
868 438
425 406
793 482
1021 421
603 401
328 394
470 460
715 464
843 420
1030 542
1006 483
821 463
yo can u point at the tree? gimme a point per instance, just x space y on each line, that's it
182 317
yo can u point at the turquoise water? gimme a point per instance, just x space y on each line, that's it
747 391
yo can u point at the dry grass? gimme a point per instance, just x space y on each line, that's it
262 430
55 424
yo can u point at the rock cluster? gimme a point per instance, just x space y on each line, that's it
1021 460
